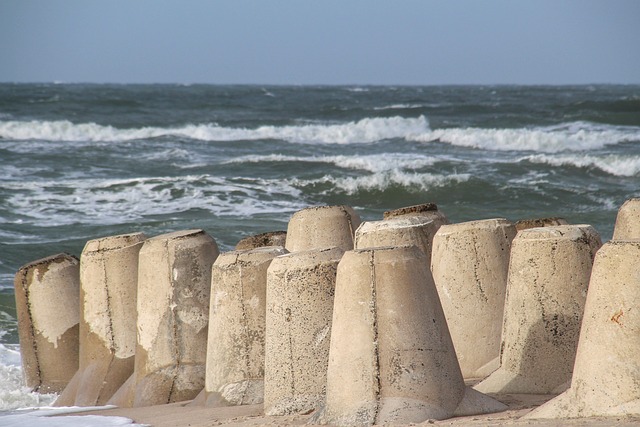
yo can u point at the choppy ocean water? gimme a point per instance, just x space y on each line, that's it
79 162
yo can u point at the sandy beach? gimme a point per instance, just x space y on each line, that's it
183 415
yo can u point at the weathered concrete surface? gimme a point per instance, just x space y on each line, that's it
235 348
48 308
322 227
525 224
398 231
391 357
108 289
606 375
547 287
469 264
428 210
271 238
300 289
628 221
174 283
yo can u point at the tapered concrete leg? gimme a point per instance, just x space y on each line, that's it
628 221
272 238
398 231
108 288
322 227
425 210
47 305
469 264
525 224
174 284
606 375
547 287
391 358
300 289
235 348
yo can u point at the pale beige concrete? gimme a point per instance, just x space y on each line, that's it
606 375
108 288
235 347
322 227
300 289
174 282
271 238
398 231
48 309
469 263
428 210
391 358
546 291
525 224
628 221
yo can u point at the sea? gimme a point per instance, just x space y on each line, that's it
82 161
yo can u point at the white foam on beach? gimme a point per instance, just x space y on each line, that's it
617 165
366 130
20 407
13 393
574 136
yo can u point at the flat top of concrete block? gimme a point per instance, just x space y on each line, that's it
57 258
394 223
424 207
313 255
336 208
557 232
182 234
474 225
113 242
248 255
523 224
270 238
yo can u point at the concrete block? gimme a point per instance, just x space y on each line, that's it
469 264
398 231
235 347
606 375
426 210
322 227
272 238
48 308
525 224
174 282
546 291
628 221
300 289
108 289
391 358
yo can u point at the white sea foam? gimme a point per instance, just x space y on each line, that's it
399 107
113 201
370 163
617 165
363 131
13 393
575 136
410 181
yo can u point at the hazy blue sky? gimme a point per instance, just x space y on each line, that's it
321 42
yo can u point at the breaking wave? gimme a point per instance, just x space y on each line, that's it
575 136
363 131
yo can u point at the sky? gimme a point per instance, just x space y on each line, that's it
394 42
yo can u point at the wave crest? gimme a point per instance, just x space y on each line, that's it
362 131
574 136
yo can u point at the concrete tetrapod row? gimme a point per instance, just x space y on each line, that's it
370 335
